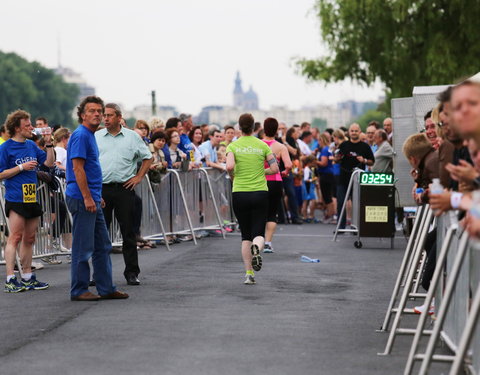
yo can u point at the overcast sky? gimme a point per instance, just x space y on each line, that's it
186 50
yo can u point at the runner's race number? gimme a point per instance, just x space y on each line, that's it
29 193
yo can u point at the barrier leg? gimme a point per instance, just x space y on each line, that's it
402 271
447 298
431 292
467 334
418 276
344 208
406 289
155 206
420 228
182 194
220 223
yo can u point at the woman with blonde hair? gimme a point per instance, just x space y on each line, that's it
142 128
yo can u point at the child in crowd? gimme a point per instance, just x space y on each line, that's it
159 165
308 189
222 154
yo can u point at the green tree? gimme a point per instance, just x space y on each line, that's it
36 89
319 123
403 43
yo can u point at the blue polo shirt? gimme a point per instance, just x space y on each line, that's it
82 145
19 188
185 145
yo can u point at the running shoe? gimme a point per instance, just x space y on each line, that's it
421 309
249 280
13 286
256 259
268 249
34 284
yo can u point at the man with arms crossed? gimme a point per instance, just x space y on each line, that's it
120 150
84 196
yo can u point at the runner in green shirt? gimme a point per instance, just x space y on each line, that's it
246 165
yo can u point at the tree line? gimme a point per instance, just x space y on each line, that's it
403 43
36 89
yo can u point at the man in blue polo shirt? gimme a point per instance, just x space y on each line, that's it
84 196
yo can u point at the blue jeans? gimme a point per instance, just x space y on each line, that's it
90 240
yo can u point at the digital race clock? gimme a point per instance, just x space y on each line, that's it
376 178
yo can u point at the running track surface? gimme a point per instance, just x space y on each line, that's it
193 315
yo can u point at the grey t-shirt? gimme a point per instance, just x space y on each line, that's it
383 158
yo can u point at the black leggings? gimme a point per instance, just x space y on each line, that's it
275 190
326 187
251 208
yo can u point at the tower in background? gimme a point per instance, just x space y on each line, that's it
244 100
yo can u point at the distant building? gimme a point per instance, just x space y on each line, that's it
144 112
71 76
246 101
224 115
357 108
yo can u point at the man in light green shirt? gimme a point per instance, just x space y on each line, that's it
120 149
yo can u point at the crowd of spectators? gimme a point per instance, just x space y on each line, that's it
322 160
444 156
312 183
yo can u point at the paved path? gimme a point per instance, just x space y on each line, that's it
193 315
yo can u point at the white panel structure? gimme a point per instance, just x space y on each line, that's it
403 126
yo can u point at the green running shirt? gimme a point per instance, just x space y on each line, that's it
250 155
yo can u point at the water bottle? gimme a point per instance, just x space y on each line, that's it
306 259
436 187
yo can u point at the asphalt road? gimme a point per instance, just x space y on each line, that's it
193 315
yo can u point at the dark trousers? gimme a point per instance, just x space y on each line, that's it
341 195
122 202
431 261
292 199
137 217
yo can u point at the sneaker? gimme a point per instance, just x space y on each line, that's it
50 260
34 284
37 266
421 309
256 259
55 245
13 286
249 280
268 249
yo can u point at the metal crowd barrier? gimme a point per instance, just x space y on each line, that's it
182 203
455 280
187 202
54 226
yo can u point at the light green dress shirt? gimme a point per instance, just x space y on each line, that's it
120 154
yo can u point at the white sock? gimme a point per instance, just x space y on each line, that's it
268 243
27 276
10 277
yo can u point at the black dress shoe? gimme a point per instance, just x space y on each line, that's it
132 280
